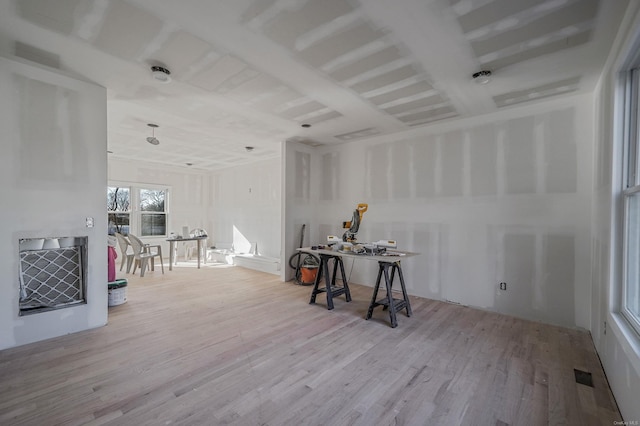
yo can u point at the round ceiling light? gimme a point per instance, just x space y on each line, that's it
482 77
160 74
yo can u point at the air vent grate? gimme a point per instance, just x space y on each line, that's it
583 377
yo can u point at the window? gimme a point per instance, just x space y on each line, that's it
139 210
153 218
119 209
631 195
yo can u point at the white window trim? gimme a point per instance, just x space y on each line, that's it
627 59
135 212
630 183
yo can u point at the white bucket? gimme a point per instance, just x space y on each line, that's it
117 296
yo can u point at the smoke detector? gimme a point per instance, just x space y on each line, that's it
160 74
482 77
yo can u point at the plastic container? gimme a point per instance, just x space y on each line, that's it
308 273
117 292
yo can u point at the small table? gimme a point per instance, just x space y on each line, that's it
173 241
388 266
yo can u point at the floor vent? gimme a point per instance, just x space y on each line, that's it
583 377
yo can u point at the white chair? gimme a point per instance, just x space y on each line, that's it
142 253
125 253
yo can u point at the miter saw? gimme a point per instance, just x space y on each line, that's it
349 238
354 224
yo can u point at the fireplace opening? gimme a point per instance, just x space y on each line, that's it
52 273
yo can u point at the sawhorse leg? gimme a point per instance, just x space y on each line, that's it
388 302
330 281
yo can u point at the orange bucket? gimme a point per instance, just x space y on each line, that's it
308 273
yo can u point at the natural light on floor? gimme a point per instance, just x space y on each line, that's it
194 264
240 243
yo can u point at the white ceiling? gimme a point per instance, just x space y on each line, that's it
251 72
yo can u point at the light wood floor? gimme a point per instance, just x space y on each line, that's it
234 346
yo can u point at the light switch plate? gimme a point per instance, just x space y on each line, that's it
89 222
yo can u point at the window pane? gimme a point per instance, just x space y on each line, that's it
119 222
632 253
118 199
634 131
152 200
153 224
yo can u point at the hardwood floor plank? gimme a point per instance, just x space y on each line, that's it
235 346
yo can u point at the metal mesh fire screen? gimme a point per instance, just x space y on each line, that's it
52 273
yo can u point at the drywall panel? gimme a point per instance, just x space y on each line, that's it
426 277
378 171
401 170
452 164
302 176
126 30
386 79
53 176
538 268
331 176
59 17
425 166
520 156
556 292
483 161
291 23
402 92
426 104
470 262
57 108
339 43
518 272
560 152
366 64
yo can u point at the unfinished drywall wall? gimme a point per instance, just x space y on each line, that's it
52 178
246 207
502 198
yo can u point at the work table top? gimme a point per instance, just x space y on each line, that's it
391 255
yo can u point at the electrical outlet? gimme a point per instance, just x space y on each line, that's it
503 286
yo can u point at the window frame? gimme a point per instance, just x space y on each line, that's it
135 211
120 212
152 213
630 186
